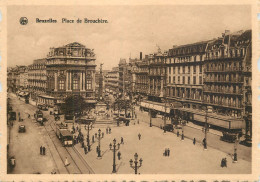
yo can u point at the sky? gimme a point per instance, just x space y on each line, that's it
129 31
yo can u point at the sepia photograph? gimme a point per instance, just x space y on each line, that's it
120 89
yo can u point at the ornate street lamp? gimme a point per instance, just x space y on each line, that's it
98 136
235 148
136 166
114 149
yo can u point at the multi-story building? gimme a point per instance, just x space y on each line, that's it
23 77
156 75
125 77
112 81
71 70
37 79
12 79
227 84
185 74
139 75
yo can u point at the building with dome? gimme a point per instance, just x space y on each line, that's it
70 70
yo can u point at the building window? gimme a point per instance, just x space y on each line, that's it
170 79
194 80
88 82
188 80
195 58
188 69
179 70
200 80
178 79
183 69
170 70
200 68
61 84
194 69
173 70
75 85
174 79
183 79
200 57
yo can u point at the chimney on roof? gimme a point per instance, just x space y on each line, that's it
141 55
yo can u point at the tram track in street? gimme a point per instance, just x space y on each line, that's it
77 159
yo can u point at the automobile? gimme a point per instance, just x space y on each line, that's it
42 107
229 137
168 127
12 115
22 129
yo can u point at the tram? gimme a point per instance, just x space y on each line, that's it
39 117
64 135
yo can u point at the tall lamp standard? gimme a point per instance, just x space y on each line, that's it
114 149
150 112
206 127
136 166
183 123
88 143
235 148
98 136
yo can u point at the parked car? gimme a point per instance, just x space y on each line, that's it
22 129
228 137
168 127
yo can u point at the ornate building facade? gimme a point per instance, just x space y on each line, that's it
37 78
112 81
185 74
71 70
156 75
228 79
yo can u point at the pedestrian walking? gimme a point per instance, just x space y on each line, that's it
139 136
109 130
82 144
102 134
178 133
225 162
119 155
67 162
41 150
122 140
106 130
168 154
194 141
138 121
165 152
93 139
29 115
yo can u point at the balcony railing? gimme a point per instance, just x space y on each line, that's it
223 57
223 69
223 81
223 91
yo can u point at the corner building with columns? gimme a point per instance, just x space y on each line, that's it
71 71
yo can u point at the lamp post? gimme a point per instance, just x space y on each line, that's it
182 122
235 148
150 112
206 128
114 149
164 129
98 136
88 143
135 166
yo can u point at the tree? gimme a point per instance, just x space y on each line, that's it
74 104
